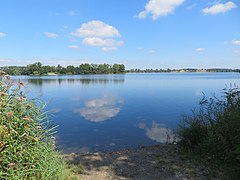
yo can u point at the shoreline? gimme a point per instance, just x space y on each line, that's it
162 161
49 75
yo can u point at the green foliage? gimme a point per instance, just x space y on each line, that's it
37 69
34 69
214 131
26 143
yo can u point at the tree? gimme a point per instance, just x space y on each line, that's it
34 69
85 69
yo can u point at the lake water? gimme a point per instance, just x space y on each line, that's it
112 112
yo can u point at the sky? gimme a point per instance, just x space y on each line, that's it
137 33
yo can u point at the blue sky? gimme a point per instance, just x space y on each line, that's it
138 33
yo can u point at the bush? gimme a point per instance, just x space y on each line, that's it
214 131
26 143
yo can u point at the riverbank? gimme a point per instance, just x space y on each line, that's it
153 162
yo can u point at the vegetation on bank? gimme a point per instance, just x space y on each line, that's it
38 69
180 70
213 132
27 149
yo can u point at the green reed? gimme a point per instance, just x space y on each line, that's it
27 145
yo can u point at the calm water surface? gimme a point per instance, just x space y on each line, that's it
112 112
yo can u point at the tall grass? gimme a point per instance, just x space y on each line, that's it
213 133
26 140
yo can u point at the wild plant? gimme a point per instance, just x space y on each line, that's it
213 132
26 141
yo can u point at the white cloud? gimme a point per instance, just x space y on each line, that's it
98 110
96 41
236 42
158 132
73 47
200 49
96 29
159 8
2 35
51 35
219 8
98 33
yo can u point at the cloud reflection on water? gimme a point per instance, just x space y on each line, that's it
158 132
98 110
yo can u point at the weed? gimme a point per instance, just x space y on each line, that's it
213 133
27 147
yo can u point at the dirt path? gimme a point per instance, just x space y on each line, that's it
155 162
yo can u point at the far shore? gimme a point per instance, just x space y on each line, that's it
173 72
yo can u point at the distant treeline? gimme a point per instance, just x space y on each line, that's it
180 70
38 69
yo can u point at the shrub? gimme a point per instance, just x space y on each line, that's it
26 142
214 131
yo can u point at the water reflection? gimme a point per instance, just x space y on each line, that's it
101 123
158 132
98 110
84 80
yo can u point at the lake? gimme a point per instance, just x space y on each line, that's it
112 112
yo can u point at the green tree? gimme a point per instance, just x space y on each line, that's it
70 69
34 69
85 69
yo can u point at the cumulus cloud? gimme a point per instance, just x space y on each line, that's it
73 47
219 8
96 29
236 42
158 132
98 33
98 110
2 35
96 41
159 8
200 49
51 35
